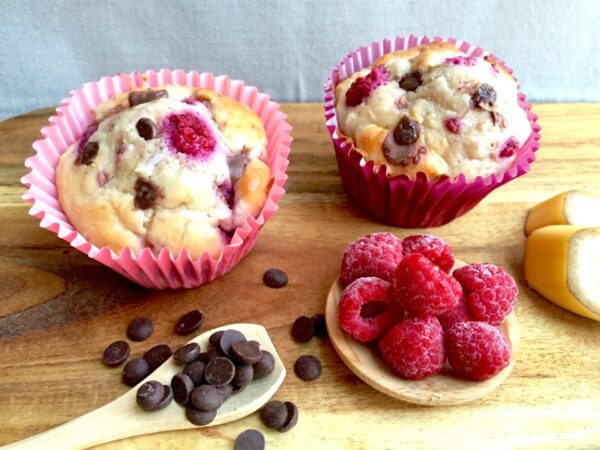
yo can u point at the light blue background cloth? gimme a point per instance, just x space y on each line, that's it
285 48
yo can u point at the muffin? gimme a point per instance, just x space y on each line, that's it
424 130
167 167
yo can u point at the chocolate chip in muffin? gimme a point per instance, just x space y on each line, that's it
237 165
411 81
407 131
484 97
139 97
401 155
140 328
115 353
146 128
146 194
498 119
87 154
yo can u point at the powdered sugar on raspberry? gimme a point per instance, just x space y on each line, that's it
431 247
362 87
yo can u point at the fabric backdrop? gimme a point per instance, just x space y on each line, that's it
285 48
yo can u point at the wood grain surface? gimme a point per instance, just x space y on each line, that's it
59 309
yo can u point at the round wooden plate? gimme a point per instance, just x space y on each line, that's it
435 390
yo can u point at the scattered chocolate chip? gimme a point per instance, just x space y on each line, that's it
484 97
411 81
292 418
140 328
146 128
320 325
149 395
307 367
225 391
135 371
116 353
139 97
243 376
227 339
216 337
189 322
219 372
166 400
198 417
187 354
182 386
237 166
303 329
246 352
265 366
157 355
146 194
401 155
87 154
195 370
407 131
250 440
206 398
274 414
275 278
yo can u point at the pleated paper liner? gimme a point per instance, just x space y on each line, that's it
419 202
147 269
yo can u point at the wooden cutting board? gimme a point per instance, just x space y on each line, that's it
59 309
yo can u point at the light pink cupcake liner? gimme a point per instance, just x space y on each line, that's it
420 202
147 269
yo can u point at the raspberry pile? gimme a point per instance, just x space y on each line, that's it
403 295
362 87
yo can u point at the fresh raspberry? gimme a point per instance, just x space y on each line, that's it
490 292
373 255
414 347
509 147
453 125
459 314
421 288
365 310
362 87
477 350
188 133
431 247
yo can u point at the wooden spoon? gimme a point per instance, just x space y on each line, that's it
122 417
435 390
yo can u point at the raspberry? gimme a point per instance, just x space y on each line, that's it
189 133
461 61
373 255
362 87
431 247
365 311
490 292
453 125
509 148
477 350
414 347
422 289
459 314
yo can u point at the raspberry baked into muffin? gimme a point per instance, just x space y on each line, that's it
435 110
170 167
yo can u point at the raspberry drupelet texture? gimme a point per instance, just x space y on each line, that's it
362 87
490 292
414 347
422 288
365 311
431 247
374 255
188 133
477 350
459 314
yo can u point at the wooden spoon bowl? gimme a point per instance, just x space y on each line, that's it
442 389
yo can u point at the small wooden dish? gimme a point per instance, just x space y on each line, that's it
435 390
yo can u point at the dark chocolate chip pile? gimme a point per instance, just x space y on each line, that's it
280 416
275 278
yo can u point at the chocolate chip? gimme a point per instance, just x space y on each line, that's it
292 418
189 322
303 329
219 372
307 367
146 194
237 166
484 97
246 352
250 440
187 354
157 355
149 395
238 389
227 339
265 366
411 81
182 386
139 97
498 119
216 337
135 371
274 414
116 353
225 391
195 370
275 278
146 128
401 155
198 417
87 154
211 354
320 325
206 398
140 328
243 376
407 131
167 398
